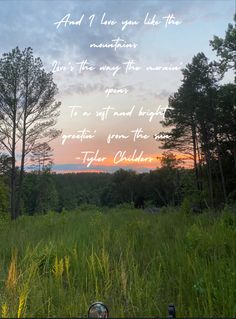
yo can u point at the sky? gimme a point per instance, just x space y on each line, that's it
104 132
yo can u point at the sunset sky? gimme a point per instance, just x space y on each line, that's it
63 46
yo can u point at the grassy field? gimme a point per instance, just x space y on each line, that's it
136 262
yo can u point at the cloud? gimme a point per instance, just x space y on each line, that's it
31 23
84 88
163 94
27 23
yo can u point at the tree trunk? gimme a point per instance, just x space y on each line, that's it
13 166
209 174
206 150
13 187
220 165
195 156
23 151
200 166
21 177
22 166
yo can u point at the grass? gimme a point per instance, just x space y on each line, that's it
56 265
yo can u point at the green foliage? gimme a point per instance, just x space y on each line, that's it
169 160
4 205
124 182
229 216
232 197
194 202
87 207
4 197
5 164
77 189
47 195
165 186
194 237
201 117
28 115
125 206
135 262
30 193
39 193
226 47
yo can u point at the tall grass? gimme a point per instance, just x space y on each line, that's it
57 264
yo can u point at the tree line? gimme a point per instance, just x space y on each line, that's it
44 191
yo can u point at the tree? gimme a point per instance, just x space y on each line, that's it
28 112
10 97
193 114
47 196
30 193
124 182
202 118
168 187
41 156
226 48
169 160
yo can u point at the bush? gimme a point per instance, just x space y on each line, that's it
125 206
87 207
194 203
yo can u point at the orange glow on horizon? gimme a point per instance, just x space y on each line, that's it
126 164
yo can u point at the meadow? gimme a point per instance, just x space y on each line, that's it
56 265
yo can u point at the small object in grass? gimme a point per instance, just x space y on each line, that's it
98 310
171 311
